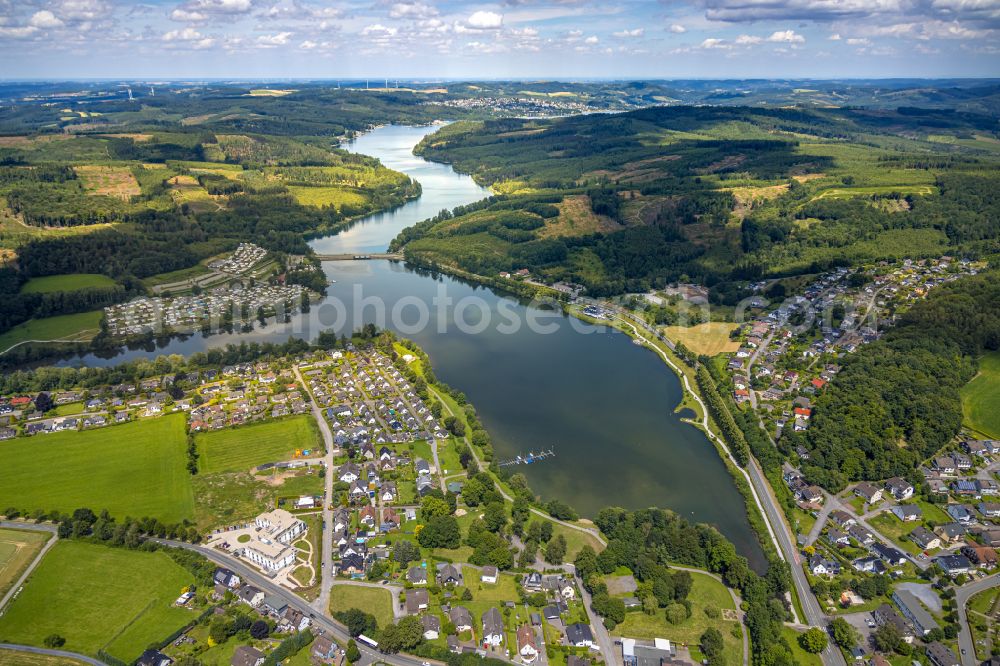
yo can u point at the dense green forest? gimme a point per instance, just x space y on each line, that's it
896 401
716 195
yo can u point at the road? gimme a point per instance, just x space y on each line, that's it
52 653
962 595
37 527
774 517
320 620
325 573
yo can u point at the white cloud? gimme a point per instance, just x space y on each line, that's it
786 36
637 32
378 30
858 41
747 40
835 37
308 45
82 10
414 10
677 29
591 40
738 11
20 32
714 43
484 20
278 39
190 37
188 16
45 19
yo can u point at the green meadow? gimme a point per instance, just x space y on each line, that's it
135 469
121 609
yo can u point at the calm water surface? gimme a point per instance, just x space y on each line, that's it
602 403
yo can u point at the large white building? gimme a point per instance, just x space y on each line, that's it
269 547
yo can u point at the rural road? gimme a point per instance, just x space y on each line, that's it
14 524
325 572
320 620
962 596
51 653
773 515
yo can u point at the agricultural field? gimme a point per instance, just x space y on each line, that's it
69 282
708 339
115 181
17 549
121 613
706 592
338 197
245 447
78 327
981 398
372 600
134 469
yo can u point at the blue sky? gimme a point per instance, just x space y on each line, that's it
508 38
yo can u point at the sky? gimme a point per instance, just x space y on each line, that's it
429 39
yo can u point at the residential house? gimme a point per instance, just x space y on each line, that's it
953 565
945 465
247 656
950 532
527 648
432 626
461 618
323 649
579 635
908 512
891 555
989 509
153 658
960 513
661 653
417 575
422 467
226 578
842 518
924 538
837 538
489 575
251 596
886 614
899 488
984 557
820 566
914 612
869 565
861 535
349 473
493 629
449 574
416 601
869 492
940 655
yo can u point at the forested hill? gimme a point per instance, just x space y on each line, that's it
721 195
896 401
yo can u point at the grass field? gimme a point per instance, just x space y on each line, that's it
240 449
78 327
981 397
705 592
326 196
69 282
225 498
121 613
17 549
369 599
135 469
115 181
708 339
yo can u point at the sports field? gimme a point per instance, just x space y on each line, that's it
981 397
240 449
17 549
69 282
135 469
97 597
708 339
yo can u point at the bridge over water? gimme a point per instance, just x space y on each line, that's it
392 256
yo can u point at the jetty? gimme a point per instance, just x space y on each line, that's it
529 458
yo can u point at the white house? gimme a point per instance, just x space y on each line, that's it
493 629
489 575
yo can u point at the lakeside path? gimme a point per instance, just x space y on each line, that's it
773 516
